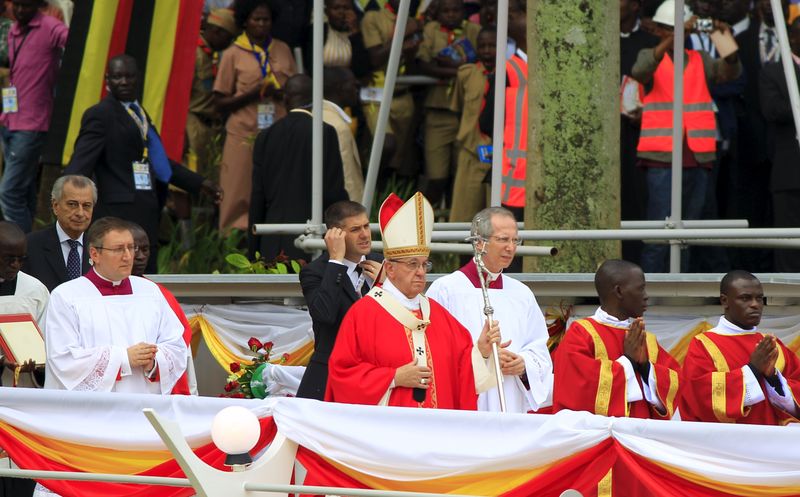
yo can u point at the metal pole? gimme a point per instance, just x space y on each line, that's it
742 242
310 244
392 68
677 135
499 100
788 63
651 234
316 115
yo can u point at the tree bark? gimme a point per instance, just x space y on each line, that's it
573 175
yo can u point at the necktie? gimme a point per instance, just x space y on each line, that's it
73 261
362 278
156 152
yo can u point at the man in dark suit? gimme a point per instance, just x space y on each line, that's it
57 253
119 146
333 282
784 151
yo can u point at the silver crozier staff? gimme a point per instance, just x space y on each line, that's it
483 275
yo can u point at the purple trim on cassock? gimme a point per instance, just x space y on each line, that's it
470 270
106 288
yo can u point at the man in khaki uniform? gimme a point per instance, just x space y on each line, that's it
470 191
377 28
447 43
341 93
203 123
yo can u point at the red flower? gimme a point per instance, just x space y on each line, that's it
254 344
237 395
231 385
235 367
284 358
268 346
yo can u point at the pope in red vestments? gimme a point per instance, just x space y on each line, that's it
608 364
396 347
735 374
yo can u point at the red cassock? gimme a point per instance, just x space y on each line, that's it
588 378
182 385
372 344
713 381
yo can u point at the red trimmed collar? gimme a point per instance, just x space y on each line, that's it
107 288
470 270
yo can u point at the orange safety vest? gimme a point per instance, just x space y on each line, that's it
699 125
515 134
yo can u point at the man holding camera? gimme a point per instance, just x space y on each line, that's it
654 69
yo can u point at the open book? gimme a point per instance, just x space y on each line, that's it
21 339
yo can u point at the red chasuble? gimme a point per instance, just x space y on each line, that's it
372 344
713 381
588 378
182 385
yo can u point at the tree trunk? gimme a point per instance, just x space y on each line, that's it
573 176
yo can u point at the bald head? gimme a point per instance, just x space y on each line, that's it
732 277
10 234
298 91
620 286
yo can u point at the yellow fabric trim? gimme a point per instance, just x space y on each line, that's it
493 483
159 58
225 356
87 458
94 60
679 350
794 346
605 486
410 251
719 400
652 347
606 379
780 363
720 363
673 391
731 488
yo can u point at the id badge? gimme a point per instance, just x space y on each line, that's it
141 176
371 94
266 115
10 102
485 153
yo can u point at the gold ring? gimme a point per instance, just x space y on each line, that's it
424 381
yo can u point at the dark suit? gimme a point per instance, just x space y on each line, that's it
784 154
46 259
108 143
329 293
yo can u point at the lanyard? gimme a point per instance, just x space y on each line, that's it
15 53
141 123
262 63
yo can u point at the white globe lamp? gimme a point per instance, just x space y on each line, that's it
235 431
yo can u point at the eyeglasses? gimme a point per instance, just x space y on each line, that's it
415 265
504 240
120 250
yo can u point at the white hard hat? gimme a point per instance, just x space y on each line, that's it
665 14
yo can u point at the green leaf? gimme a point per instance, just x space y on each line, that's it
281 267
295 267
238 261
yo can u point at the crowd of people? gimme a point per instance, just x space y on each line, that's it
251 95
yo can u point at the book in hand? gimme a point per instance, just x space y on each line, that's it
21 339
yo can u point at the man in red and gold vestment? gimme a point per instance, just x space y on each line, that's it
395 346
608 364
734 373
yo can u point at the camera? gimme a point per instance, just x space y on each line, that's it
704 25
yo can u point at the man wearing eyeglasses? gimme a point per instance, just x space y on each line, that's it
525 361
395 346
109 331
20 293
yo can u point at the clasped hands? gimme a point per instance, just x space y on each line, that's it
142 355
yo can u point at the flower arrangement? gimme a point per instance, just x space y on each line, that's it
246 381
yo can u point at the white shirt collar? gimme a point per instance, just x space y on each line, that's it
115 283
635 29
410 304
338 110
351 266
725 326
603 317
741 26
63 236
